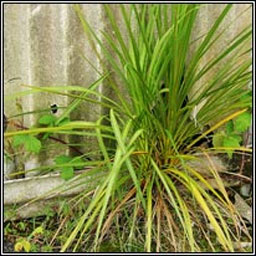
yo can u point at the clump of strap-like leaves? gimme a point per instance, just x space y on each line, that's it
145 191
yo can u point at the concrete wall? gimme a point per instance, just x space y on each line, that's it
41 47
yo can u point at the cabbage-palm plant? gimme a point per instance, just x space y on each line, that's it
150 192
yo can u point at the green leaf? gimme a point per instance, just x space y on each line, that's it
242 122
47 119
22 226
236 137
67 173
19 139
32 144
230 142
63 159
78 161
229 127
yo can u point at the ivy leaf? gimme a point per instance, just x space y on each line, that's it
229 127
47 119
230 141
19 139
32 144
242 122
67 173
62 159
236 137
78 162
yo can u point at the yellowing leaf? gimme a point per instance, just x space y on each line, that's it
37 231
26 245
18 247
